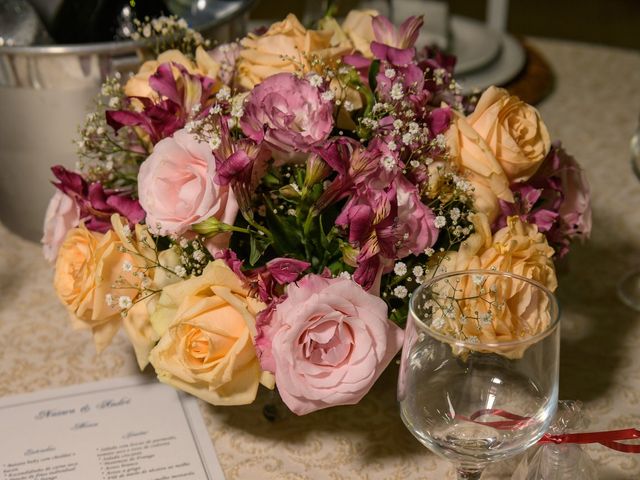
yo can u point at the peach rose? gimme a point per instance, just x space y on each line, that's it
89 264
138 85
359 29
286 47
476 161
517 248
513 130
356 31
142 247
207 326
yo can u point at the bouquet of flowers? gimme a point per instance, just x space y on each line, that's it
258 213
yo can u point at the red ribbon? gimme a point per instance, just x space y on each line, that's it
610 439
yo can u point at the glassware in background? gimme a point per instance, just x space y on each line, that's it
629 286
202 12
479 371
20 25
86 21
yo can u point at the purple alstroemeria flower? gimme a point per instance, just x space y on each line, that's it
416 229
286 270
95 203
370 217
375 166
179 99
395 45
239 164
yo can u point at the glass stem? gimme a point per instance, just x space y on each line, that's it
469 473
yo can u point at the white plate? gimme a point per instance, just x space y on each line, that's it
473 44
504 67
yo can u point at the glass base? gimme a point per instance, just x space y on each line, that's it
629 290
468 474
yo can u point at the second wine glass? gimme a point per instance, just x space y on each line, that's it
629 286
479 371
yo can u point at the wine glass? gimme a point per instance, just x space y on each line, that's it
479 371
629 286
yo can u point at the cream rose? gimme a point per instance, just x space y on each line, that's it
513 130
286 47
138 85
207 326
158 273
476 161
88 267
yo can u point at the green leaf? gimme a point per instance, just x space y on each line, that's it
286 238
373 72
324 243
258 247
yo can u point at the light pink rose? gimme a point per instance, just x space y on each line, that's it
62 215
177 188
575 210
330 341
417 230
288 113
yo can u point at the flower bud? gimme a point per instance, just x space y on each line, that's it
290 192
211 227
317 170
349 254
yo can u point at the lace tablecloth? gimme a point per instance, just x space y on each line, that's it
593 110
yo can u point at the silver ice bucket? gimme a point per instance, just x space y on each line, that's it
45 93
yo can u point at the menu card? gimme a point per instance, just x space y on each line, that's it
125 428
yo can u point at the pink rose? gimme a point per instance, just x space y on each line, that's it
177 189
575 210
417 230
62 215
288 113
330 341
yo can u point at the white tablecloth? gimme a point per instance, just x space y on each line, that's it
593 109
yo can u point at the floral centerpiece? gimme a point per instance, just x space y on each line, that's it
258 213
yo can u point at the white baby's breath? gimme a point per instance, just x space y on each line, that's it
400 268
400 291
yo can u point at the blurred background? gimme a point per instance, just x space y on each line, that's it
609 22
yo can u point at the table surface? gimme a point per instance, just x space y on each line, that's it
593 109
